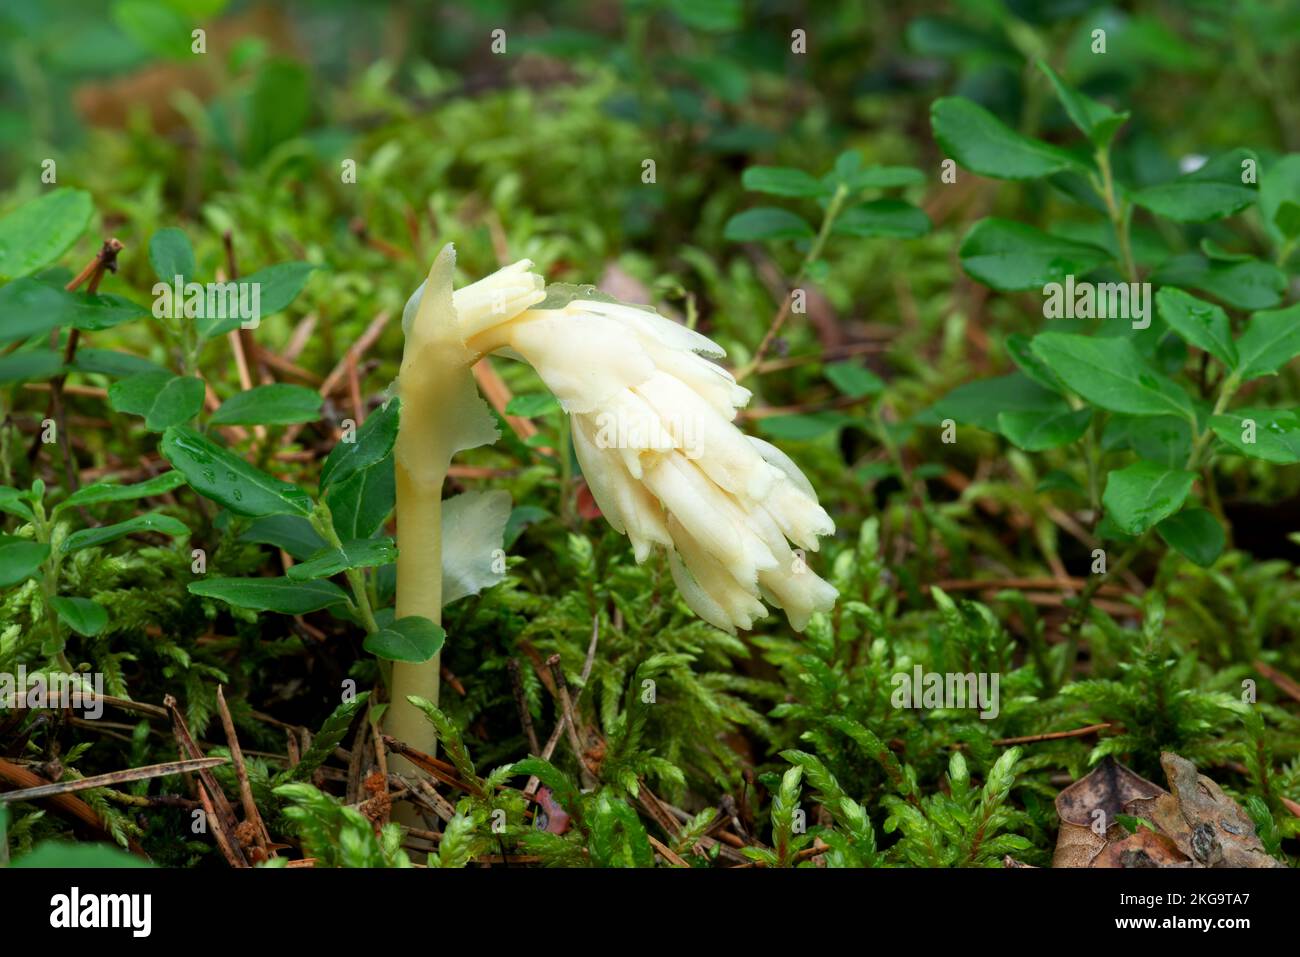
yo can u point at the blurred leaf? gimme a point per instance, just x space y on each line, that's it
766 222
883 217
171 255
781 181
39 232
983 144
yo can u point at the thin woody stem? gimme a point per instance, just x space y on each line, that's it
814 252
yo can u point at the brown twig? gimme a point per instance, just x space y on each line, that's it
65 804
251 814
1284 681
110 779
1053 736
214 799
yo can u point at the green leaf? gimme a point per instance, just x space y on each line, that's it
1212 192
267 291
278 107
95 312
853 380
983 144
1247 284
63 855
371 443
273 404
31 364
1013 256
532 405
1097 121
227 479
1275 433
1279 198
1143 494
293 533
412 638
981 402
1202 324
1287 219
1165 439
361 503
766 222
109 492
39 232
155 26
20 559
949 38
354 554
149 522
171 255
272 594
781 181
803 427
111 362
14 502
1035 432
882 217
29 308
82 615
162 398
877 177
1195 534
1111 373
1270 340
1022 354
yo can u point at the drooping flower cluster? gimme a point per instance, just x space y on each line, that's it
653 429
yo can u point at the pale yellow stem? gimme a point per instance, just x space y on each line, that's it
419 592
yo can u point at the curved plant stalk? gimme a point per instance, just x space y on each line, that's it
442 414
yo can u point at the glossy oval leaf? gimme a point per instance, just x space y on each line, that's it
1144 494
280 595
227 479
82 615
412 639
1195 534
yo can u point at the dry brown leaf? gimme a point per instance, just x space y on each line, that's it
1108 788
1207 826
1196 824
